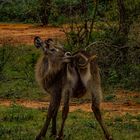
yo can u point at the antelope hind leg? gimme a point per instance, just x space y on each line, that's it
54 130
96 109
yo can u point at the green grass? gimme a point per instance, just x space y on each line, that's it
17 78
18 122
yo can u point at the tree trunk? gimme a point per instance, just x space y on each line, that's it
123 25
45 11
84 7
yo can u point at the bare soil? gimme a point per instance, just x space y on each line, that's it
25 33
112 108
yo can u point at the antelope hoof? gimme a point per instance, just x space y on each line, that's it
39 137
59 138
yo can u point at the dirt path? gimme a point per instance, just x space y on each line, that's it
125 102
25 33
111 108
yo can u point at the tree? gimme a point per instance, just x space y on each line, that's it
45 11
123 24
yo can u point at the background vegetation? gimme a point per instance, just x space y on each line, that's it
17 72
108 28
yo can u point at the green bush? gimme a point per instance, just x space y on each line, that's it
19 11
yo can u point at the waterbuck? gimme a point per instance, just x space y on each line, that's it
63 75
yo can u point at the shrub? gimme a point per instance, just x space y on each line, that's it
19 11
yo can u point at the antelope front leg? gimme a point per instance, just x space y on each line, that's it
65 111
54 131
54 104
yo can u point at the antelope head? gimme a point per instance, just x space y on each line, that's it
52 49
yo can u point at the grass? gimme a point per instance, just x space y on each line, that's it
17 72
18 122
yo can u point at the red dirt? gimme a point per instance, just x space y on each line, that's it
123 94
112 108
24 33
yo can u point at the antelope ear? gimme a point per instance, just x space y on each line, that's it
93 57
48 42
38 42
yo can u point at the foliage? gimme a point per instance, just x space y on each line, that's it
31 11
19 11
